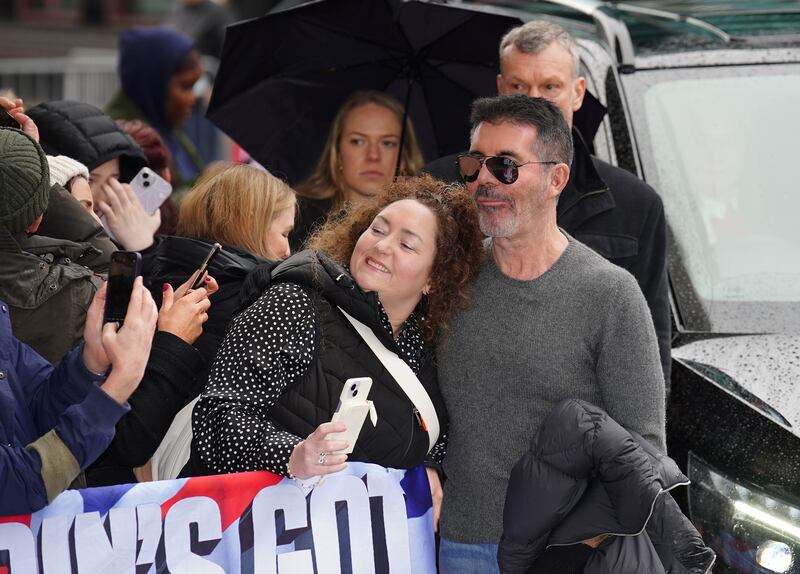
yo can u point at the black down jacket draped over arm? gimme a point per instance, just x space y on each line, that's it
584 476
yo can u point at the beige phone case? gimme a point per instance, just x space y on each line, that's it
353 410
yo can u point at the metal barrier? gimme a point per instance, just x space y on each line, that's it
86 75
90 76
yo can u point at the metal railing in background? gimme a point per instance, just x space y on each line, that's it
85 75
90 75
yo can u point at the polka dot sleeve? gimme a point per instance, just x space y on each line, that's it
269 346
436 455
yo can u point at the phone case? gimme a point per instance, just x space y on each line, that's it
352 410
197 276
151 189
125 267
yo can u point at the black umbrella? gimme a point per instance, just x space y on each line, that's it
283 76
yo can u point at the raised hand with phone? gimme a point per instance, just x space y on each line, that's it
184 311
124 216
124 348
325 450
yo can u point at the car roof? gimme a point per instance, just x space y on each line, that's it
634 31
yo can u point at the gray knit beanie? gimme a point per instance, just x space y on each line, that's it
24 180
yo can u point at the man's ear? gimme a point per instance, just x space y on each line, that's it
579 85
558 178
499 84
34 227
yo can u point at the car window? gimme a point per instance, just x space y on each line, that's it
720 146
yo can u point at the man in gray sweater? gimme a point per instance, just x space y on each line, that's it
549 319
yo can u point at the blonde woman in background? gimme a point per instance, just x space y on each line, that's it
358 161
245 209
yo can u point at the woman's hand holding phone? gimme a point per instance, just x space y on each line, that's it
312 457
125 217
200 277
184 316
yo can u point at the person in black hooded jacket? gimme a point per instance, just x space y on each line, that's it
399 264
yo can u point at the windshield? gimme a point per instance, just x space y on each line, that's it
721 147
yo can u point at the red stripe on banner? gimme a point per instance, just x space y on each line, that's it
22 518
4 570
232 492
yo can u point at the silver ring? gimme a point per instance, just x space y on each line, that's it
322 457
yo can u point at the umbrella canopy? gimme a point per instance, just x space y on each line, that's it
283 76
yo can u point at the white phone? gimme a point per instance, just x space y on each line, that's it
151 189
352 410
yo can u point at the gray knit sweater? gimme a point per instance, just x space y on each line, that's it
581 330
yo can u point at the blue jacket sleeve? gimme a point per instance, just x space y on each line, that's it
49 391
65 401
86 429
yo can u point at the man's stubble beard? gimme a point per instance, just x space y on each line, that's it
505 221
497 222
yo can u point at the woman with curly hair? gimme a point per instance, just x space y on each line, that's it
400 264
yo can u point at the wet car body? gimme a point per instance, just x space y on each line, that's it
701 101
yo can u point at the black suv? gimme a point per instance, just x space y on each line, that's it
702 102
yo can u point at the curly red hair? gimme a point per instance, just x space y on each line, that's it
459 243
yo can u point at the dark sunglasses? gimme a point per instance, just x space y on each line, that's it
503 168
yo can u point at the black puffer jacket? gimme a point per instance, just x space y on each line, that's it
586 476
83 132
175 259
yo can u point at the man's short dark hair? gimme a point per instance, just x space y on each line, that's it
553 141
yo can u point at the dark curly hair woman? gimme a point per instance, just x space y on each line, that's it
401 265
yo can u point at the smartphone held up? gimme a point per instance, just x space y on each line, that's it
352 410
126 266
199 275
151 189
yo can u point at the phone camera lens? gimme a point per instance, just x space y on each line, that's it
353 387
145 175
147 184
355 393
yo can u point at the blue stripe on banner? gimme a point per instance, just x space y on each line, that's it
416 481
103 499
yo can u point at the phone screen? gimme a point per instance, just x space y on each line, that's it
6 121
125 267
